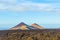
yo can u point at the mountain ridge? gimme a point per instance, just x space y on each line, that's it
23 26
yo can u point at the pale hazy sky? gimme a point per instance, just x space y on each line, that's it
13 12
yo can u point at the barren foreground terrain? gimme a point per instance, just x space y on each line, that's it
43 34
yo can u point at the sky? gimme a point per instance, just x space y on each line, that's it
12 12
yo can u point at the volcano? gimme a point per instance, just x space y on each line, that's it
36 26
23 26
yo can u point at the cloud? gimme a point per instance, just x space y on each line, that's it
30 7
26 5
8 1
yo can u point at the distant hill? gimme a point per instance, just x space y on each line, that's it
36 26
23 26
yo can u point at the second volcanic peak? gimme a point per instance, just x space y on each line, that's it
37 26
